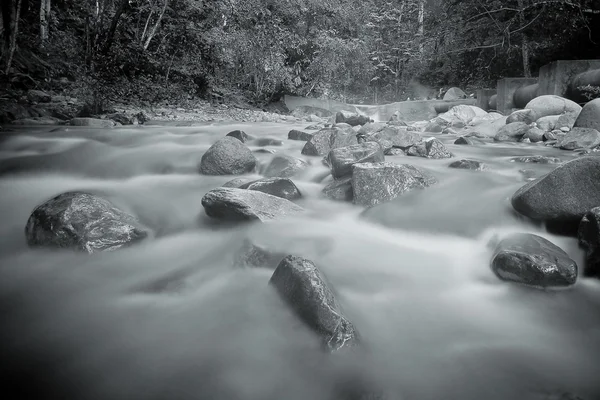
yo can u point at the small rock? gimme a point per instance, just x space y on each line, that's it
469 164
580 138
299 135
512 132
431 148
240 135
394 151
228 156
308 293
375 183
391 136
280 187
535 134
464 140
549 136
532 260
536 160
525 116
123 118
339 190
82 221
262 142
284 167
233 204
326 140
350 118
342 158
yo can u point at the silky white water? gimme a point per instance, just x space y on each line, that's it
172 318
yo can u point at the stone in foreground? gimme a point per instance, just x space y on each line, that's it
431 148
328 139
308 293
589 239
284 167
580 138
375 183
562 196
82 221
233 204
469 164
534 261
280 187
342 159
228 156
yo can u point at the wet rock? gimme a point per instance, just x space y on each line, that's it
123 118
233 204
525 116
563 196
371 127
464 140
469 164
549 136
339 190
589 239
308 293
589 117
82 221
284 167
375 183
394 151
265 151
528 175
512 132
314 127
280 187
237 182
487 129
295 134
536 159
92 122
240 135
262 142
342 159
552 105
391 136
567 121
461 115
254 256
547 123
228 156
580 138
351 119
437 125
532 260
328 139
38 96
431 148
535 135
450 131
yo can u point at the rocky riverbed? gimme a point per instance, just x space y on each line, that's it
454 258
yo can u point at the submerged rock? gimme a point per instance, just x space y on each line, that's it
534 261
536 160
280 187
375 183
469 164
255 256
431 148
340 190
228 156
342 159
262 142
82 221
284 167
233 204
589 238
328 139
308 293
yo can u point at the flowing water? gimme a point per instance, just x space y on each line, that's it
172 318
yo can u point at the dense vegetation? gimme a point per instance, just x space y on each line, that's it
356 50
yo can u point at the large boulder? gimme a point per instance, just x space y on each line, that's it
82 221
589 238
526 116
342 159
580 138
295 134
339 190
305 289
375 183
284 167
280 187
92 122
431 148
233 204
563 196
328 139
589 117
454 93
228 156
534 261
512 132
552 105
392 136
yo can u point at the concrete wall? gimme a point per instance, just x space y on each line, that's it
506 88
555 77
483 98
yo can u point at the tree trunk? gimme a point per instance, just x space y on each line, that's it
421 31
155 27
14 30
44 20
524 42
113 25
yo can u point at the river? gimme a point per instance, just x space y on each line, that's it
171 318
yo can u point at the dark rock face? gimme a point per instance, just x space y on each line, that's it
392 136
512 132
280 187
526 116
580 138
562 196
464 140
306 291
82 221
469 164
534 261
255 256
342 159
233 204
375 183
284 167
299 135
536 160
431 148
340 190
228 156
328 139
589 239
262 142
240 135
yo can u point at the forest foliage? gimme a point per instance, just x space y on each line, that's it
371 51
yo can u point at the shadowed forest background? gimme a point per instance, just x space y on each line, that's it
360 51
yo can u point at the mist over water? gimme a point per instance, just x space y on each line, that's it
171 318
